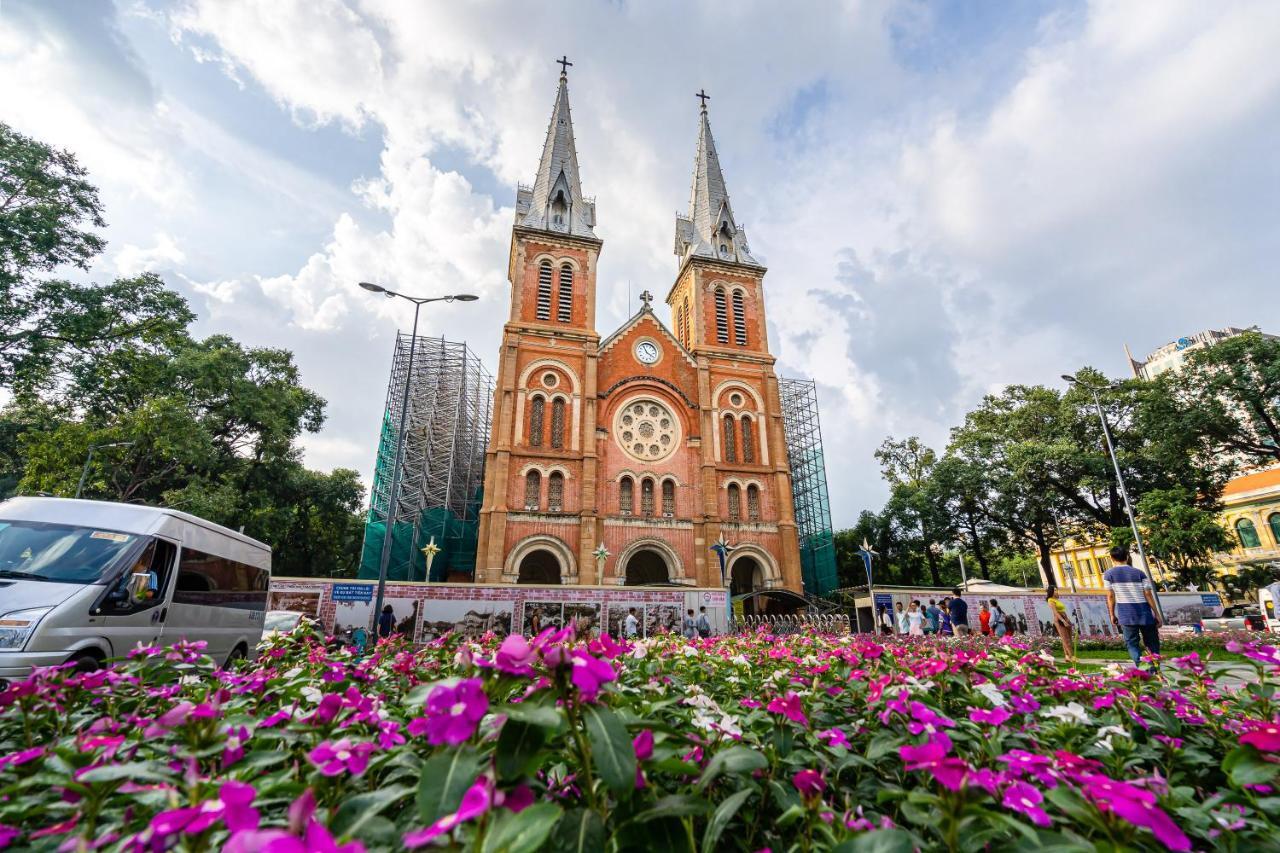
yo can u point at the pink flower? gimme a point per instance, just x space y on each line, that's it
835 737
233 807
790 707
932 756
809 783
476 801
515 656
1265 737
992 717
332 758
14 759
643 746
1026 800
8 834
233 751
453 713
327 710
923 719
590 673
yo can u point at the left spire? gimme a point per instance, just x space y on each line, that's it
555 201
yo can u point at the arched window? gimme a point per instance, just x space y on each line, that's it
626 496
722 317
537 411
1273 521
1248 534
564 308
555 492
739 320
753 503
532 490
735 502
544 290
646 497
748 441
668 498
557 422
730 440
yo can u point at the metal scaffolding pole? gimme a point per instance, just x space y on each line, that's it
803 433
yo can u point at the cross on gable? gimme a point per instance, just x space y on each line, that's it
564 64
646 297
704 97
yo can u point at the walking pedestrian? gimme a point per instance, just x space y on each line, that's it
1132 603
704 626
984 619
1063 623
690 627
886 620
934 614
901 616
631 625
959 613
915 620
944 626
999 624
386 622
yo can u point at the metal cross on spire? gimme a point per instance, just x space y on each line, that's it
646 297
564 64
704 97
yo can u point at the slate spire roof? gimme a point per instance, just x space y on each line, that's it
709 229
555 201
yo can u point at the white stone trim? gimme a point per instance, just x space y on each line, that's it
561 551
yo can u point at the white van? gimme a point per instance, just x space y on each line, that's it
1269 604
84 581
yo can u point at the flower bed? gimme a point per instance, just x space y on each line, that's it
739 743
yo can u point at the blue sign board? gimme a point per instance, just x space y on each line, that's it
884 599
351 592
1210 599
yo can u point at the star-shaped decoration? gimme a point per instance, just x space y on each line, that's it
430 549
601 553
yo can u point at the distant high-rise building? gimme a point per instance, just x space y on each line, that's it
1173 355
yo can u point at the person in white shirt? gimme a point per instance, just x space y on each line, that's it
631 626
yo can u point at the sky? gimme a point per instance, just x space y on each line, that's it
950 196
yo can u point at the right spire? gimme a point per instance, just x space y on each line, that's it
709 229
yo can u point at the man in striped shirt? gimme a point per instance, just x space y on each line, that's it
1132 602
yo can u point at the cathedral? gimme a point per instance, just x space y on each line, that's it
624 460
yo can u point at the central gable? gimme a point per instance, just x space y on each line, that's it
618 361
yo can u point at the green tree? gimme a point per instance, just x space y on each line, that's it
1183 533
915 507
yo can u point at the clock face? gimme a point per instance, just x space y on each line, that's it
646 352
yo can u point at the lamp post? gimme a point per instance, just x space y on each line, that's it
394 495
84 475
1124 493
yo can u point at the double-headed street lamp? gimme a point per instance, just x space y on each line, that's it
394 497
1115 463
84 475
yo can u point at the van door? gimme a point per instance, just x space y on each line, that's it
126 623
218 600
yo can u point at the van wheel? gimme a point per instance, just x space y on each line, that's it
239 653
86 661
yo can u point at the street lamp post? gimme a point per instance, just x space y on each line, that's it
84 475
394 495
1124 493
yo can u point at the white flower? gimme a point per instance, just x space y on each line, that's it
1109 732
740 659
312 695
639 651
293 673
992 694
1046 657
1072 712
689 652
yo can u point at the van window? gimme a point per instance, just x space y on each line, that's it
213 581
157 561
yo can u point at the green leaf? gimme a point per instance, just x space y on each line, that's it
611 750
723 815
881 745
518 746
673 805
523 832
579 831
355 812
735 759
143 771
535 715
445 778
877 841
666 834
790 816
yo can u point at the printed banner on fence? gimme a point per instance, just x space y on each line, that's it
351 592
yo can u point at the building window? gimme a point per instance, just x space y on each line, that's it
544 290
722 317
537 410
646 497
739 320
730 440
557 423
626 496
564 308
668 498
753 503
1248 534
748 441
684 316
735 502
555 492
1273 521
532 490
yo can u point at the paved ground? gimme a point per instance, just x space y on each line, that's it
1228 673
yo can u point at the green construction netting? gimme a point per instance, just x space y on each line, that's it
818 563
456 538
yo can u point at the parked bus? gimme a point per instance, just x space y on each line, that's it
84 581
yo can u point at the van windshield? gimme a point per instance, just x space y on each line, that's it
62 553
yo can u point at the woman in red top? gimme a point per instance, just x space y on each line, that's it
984 619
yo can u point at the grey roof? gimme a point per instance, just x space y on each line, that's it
555 202
709 230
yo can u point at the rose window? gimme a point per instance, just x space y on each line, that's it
647 430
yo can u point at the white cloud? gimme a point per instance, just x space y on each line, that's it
132 260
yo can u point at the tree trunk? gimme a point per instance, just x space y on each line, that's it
978 554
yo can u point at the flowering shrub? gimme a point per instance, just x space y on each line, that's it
739 743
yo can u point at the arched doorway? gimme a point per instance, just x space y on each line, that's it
539 566
645 567
746 576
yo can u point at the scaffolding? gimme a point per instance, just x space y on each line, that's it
442 465
803 434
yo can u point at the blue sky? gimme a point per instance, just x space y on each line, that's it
950 196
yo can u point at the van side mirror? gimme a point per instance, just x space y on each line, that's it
139 584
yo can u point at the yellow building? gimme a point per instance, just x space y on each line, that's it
1251 514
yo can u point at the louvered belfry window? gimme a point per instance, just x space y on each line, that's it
730 440
532 490
748 441
735 502
646 497
684 315
564 308
753 503
626 496
722 317
544 290
739 320
557 423
555 492
537 411
668 498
